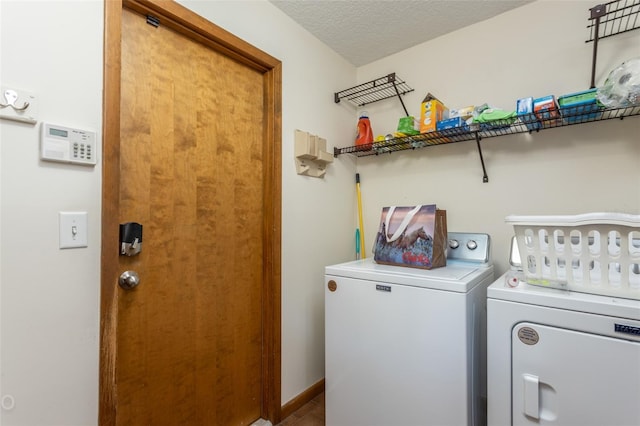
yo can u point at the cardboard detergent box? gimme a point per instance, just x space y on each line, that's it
546 109
465 113
452 123
431 111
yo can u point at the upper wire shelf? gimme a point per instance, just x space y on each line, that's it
613 18
375 90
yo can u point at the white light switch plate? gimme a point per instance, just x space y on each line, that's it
73 229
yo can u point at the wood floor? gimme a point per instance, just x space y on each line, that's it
310 414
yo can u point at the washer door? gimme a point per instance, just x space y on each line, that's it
565 377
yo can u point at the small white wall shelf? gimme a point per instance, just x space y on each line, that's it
311 154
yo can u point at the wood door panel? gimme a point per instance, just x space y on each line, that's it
211 213
190 336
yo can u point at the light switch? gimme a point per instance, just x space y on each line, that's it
73 229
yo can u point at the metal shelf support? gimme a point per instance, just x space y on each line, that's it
597 12
395 86
485 178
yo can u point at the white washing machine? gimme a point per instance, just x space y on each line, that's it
406 346
558 357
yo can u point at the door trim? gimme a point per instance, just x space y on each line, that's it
186 22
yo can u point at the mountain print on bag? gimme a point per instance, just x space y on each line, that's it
411 236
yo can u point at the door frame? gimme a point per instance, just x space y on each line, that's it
188 23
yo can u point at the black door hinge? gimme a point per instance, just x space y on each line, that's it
152 20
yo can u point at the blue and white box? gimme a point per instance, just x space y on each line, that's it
524 109
452 123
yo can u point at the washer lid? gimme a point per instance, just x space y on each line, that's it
456 276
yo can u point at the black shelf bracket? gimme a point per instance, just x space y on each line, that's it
485 178
597 12
395 86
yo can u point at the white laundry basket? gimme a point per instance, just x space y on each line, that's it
595 253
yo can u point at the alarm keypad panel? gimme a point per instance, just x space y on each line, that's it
67 145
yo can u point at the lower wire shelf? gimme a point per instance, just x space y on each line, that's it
522 124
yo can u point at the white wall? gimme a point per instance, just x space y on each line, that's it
49 297
535 50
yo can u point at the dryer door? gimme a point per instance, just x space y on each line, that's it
565 377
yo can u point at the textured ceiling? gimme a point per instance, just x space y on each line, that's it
363 31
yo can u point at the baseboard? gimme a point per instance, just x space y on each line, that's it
297 402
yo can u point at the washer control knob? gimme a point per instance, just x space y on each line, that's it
454 244
472 245
512 280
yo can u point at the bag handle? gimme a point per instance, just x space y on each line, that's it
403 224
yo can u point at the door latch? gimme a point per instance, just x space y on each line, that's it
130 238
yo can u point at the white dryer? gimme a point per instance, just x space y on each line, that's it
558 357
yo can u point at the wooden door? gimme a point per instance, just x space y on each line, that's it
196 162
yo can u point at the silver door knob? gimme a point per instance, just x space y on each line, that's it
129 280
